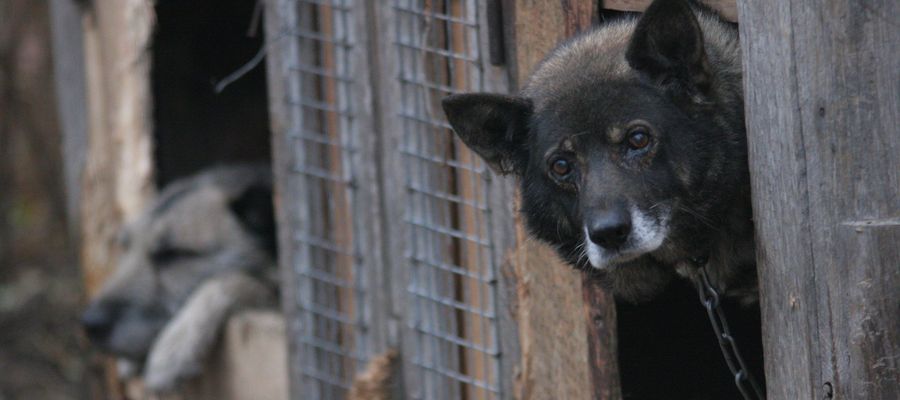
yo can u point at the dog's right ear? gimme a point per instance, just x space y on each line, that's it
494 126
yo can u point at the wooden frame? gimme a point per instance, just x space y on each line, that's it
825 165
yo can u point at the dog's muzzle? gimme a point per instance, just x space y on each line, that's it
620 234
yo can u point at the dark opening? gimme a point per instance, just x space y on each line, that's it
667 347
197 43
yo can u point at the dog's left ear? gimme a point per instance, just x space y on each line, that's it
667 46
256 213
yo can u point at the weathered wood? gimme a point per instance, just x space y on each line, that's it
603 356
281 50
567 322
71 99
533 28
117 178
727 8
822 84
112 163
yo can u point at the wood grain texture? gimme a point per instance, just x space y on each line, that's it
600 314
727 8
822 84
534 27
117 180
566 322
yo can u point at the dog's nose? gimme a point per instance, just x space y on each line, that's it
97 322
609 229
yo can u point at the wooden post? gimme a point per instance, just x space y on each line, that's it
727 8
822 80
103 86
567 321
117 180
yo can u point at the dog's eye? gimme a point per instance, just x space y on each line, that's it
638 138
168 255
560 167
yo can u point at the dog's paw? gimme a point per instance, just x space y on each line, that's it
176 356
181 348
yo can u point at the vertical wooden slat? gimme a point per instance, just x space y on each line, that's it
727 8
472 222
116 177
822 80
71 95
567 320
283 51
339 221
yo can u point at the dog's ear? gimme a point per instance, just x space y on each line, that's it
493 125
256 213
667 46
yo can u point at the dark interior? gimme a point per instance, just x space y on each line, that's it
668 350
197 43
667 347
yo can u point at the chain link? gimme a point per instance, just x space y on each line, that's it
709 297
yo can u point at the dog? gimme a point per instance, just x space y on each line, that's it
203 249
629 145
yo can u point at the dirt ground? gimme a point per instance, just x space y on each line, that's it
41 347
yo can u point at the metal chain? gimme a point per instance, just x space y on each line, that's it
709 297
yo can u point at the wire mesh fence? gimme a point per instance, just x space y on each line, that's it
452 279
329 294
448 266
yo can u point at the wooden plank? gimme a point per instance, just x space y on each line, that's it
339 221
533 28
727 8
603 356
71 99
282 51
501 194
116 174
117 180
822 80
568 321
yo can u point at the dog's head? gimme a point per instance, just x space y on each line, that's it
613 135
221 220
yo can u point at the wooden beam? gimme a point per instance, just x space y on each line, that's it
821 82
567 322
112 163
117 180
727 8
71 99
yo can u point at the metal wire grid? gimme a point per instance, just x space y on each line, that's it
329 294
452 283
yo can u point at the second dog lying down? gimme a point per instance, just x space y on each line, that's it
204 249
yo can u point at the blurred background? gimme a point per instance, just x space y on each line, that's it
42 352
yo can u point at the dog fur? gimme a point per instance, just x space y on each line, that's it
636 215
204 249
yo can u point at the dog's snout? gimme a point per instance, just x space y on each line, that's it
609 229
97 321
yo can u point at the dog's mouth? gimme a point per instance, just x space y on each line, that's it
644 235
